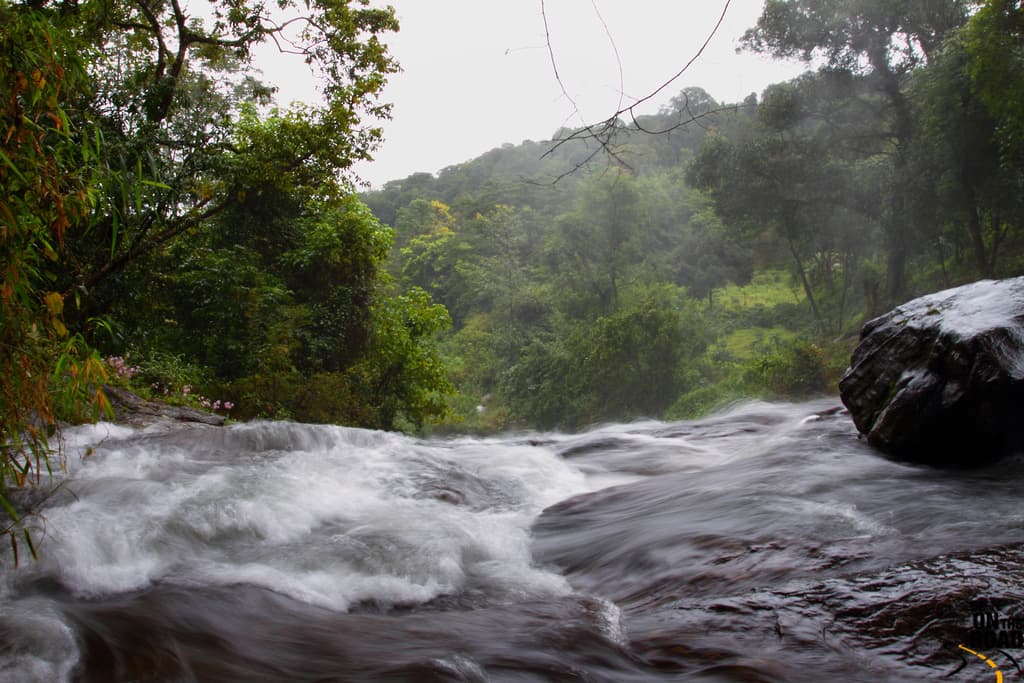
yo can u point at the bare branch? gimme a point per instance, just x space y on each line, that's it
694 58
604 131
615 49
554 62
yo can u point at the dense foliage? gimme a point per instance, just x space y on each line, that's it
47 370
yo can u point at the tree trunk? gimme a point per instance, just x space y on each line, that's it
896 268
803 280
998 233
974 226
898 223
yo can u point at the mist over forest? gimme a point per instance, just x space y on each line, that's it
663 266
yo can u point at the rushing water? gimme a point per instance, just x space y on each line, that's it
764 544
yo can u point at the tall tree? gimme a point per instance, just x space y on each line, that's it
429 256
994 44
993 40
765 181
959 139
882 41
499 273
595 245
795 170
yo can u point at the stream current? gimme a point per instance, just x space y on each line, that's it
766 543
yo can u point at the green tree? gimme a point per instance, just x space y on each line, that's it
631 363
333 270
594 246
500 272
433 247
765 181
211 227
959 139
883 42
228 230
992 44
402 378
992 40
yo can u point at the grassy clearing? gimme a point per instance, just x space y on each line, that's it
753 317
767 289
750 342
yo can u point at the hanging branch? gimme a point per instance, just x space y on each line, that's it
604 131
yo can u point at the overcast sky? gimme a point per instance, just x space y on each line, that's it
477 73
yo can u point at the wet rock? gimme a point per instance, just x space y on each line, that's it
136 411
940 379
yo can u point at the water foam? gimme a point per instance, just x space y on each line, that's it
327 515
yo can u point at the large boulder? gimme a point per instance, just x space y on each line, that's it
941 379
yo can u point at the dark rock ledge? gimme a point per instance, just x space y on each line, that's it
940 379
131 409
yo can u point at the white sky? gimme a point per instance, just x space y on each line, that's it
477 73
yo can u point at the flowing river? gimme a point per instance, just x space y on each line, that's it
766 543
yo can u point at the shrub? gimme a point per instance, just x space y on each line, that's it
795 369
